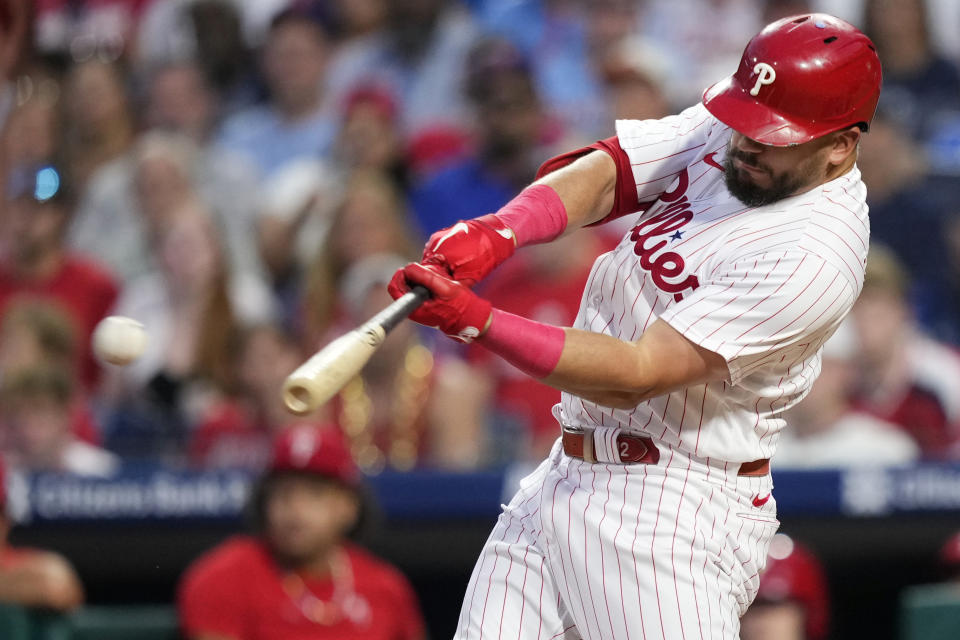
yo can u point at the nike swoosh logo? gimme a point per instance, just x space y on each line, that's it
507 234
759 502
460 227
710 161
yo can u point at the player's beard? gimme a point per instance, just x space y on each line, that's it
741 186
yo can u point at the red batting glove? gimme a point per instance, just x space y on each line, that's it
453 307
470 249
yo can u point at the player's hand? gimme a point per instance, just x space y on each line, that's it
453 307
470 249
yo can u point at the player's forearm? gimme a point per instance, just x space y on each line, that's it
586 187
605 370
598 367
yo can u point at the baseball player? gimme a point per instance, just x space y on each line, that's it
652 515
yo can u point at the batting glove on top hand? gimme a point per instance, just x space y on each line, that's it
469 250
453 307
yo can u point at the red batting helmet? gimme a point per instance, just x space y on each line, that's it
800 78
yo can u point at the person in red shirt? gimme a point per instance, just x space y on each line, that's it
39 266
299 578
31 577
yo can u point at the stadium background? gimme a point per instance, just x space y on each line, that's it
242 184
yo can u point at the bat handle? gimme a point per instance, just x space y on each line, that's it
404 306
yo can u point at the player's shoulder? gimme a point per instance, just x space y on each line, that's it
838 226
829 224
694 120
843 196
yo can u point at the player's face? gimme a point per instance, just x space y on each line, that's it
759 174
306 516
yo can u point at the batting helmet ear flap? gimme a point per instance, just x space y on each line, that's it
800 78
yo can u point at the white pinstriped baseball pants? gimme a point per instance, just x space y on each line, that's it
622 552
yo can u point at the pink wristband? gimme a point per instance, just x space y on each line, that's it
532 347
536 215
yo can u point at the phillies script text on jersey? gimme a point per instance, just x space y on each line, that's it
666 264
612 551
763 287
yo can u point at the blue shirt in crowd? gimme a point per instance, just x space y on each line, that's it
269 141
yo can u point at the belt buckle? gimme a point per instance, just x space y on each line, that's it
588 453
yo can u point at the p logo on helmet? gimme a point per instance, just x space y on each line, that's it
827 75
765 75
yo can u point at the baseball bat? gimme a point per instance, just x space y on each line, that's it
327 371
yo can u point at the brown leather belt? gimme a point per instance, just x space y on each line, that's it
634 449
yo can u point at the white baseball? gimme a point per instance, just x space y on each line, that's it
119 340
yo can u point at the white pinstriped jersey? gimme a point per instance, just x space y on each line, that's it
763 287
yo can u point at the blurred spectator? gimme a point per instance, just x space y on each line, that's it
896 170
509 140
938 296
181 101
920 87
296 206
210 32
39 333
240 432
190 307
544 282
29 137
87 29
825 431
300 577
182 109
899 178
358 18
36 332
793 600
369 137
35 411
633 83
31 577
704 40
905 377
408 407
295 122
99 126
371 219
15 42
34 121
564 41
38 264
419 57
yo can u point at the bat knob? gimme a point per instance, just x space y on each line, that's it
298 399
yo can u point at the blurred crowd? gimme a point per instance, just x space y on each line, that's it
244 177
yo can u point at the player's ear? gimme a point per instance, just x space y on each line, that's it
843 143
